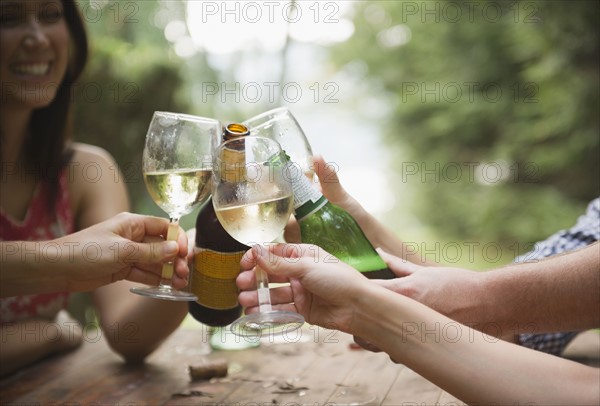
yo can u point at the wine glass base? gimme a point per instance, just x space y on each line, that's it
158 292
267 324
354 396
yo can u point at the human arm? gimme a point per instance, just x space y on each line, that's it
27 341
554 294
118 248
377 233
468 364
133 325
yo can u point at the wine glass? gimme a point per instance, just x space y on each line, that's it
280 125
253 199
177 166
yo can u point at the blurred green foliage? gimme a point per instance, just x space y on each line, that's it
496 105
493 105
114 114
130 74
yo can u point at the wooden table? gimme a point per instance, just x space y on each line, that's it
314 368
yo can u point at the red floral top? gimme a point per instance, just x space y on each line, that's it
39 224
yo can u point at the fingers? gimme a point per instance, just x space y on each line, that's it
154 252
285 261
279 296
326 172
400 267
144 227
246 280
292 233
283 307
270 254
181 275
191 236
328 178
182 241
150 274
149 257
143 276
153 248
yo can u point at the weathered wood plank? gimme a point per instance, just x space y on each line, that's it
320 365
410 389
370 379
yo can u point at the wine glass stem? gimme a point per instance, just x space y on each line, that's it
167 269
264 296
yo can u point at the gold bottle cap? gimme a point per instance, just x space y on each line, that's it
233 157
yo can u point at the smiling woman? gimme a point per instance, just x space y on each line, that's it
37 73
43 50
34 51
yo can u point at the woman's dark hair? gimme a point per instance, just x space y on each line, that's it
51 126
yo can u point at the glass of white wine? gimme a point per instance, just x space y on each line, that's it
177 167
280 125
253 199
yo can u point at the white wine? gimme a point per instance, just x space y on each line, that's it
256 223
177 191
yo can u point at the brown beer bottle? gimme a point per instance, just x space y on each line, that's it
216 262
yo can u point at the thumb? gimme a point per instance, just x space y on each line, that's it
400 267
154 252
328 178
287 265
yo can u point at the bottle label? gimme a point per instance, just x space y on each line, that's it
213 278
307 199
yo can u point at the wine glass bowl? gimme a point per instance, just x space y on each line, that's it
253 199
177 168
280 125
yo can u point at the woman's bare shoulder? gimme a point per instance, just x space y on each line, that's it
91 154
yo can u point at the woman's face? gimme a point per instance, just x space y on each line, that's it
34 49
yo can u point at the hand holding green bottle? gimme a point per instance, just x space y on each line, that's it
333 228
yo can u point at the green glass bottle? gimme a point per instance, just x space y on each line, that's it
335 230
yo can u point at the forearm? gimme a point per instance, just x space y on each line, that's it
559 293
138 326
27 341
147 328
466 363
30 267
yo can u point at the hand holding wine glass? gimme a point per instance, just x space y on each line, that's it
177 166
253 200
